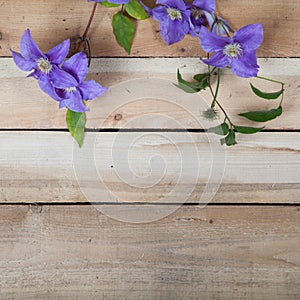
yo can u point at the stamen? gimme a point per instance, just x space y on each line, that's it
233 50
174 14
197 13
70 89
44 65
210 114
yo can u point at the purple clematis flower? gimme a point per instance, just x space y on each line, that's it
173 16
45 67
238 52
72 96
202 11
111 1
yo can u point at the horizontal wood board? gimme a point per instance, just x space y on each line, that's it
74 252
142 95
53 21
147 167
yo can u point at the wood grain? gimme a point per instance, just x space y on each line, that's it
154 167
53 21
75 252
142 95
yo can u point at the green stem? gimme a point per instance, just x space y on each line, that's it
215 101
224 112
227 33
217 90
281 99
271 80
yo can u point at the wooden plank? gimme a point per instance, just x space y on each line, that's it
53 21
154 167
75 252
142 95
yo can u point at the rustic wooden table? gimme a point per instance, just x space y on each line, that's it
245 244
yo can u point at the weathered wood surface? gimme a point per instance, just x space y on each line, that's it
147 167
73 252
142 95
53 21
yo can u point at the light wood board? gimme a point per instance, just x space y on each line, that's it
142 95
71 252
155 167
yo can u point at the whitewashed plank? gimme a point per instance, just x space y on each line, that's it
142 95
147 167
74 252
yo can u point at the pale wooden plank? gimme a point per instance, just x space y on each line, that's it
142 95
53 21
156 167
75 252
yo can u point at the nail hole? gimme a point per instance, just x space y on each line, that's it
118 117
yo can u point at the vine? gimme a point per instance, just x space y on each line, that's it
64 79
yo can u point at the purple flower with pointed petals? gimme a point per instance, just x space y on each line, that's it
45 67
238 52
111 1
201 11
72 96
173 16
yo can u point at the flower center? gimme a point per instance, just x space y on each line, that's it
233 50
70 89
44 65
196 13
174 13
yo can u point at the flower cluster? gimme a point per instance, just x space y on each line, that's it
178 18
62 80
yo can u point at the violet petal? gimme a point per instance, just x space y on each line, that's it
91 89
59 53
218 60
47 87
28 47
159 13
61 79
22 63
212 42
207 5
180 4
77 66
74 102
250 36
173 31
241 67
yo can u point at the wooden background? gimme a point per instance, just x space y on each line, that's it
244 244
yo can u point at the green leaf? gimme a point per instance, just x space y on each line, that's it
136 10
76 124
268 96
123 30
192 87
108 4
247 130
262 115
201 77
221 129
229 140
